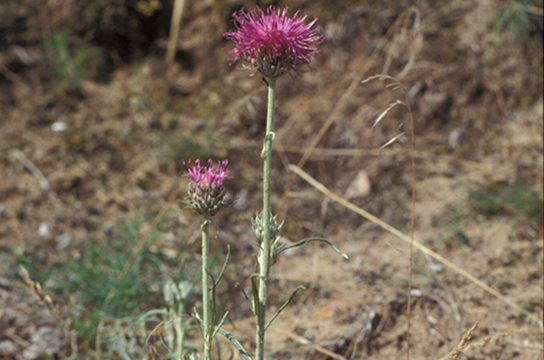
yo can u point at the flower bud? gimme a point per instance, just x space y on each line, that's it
258 227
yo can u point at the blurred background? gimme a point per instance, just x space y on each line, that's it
96 120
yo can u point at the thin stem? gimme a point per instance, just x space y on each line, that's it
206 307
264 255
412 225
180 329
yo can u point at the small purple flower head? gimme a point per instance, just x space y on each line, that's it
207 177
273 42
206 191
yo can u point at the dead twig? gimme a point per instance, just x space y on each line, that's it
34 170
324 152
174 31
29 165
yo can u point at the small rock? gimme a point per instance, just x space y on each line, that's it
359 187
436 268
7 347
4 283
455 138
59 126
43 230
63 241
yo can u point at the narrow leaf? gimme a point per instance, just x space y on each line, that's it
216 328
231 357
283 306
245 295
224 266
236 343
200 322
214 308
255 290
302 242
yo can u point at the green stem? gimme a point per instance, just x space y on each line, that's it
206 306
264 255
180 329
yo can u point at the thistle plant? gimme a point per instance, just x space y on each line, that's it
207 196
273 44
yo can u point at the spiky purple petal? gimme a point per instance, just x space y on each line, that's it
274 43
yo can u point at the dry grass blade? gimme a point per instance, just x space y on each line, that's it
407 239
407 34
340 105
396 85
456 352
158 329
391 141
496 338
40 177
152 347
237 143
382 115
174 31
42 180
165 343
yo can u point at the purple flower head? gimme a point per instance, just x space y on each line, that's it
207 178
206 192
273 42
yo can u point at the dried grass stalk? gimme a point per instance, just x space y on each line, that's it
456 352
44 298
37 289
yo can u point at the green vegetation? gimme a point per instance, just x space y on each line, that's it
114 280
519 19
96 278
69 59
517 199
